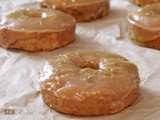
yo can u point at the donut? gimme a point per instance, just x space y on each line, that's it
81 10
144 2
89 83
36 29
145 26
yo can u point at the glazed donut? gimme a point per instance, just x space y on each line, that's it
144 2
89 83
81 10
36 29
145 26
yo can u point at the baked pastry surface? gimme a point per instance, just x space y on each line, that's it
81 10
89 83
145 26
36 29
144 2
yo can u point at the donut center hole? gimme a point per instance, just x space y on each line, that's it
157 11
91 65
31 14
153 12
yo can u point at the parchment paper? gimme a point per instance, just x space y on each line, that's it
20 98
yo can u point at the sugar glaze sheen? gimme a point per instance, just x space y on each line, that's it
89 83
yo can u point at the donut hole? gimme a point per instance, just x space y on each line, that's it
157 11
151 10
91 65
32 14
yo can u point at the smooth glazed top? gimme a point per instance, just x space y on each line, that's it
88 72
37 19
71 3
148 17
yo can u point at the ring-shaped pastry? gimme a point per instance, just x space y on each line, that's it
145 26
89 83
81 10
36 29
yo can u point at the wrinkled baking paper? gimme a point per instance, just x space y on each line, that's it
20 98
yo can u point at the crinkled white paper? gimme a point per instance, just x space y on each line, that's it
20 98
